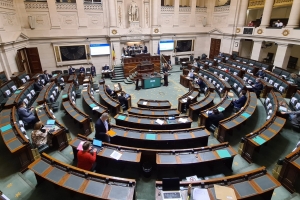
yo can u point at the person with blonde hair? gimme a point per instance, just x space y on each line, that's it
40 136
293 78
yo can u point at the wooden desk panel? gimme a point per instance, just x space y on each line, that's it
105 99
153 112
154 104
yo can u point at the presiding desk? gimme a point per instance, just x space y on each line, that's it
141 122
252 185
155 104
153 112
160 139
151 81
82 182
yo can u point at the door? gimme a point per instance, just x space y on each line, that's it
215 45
34 60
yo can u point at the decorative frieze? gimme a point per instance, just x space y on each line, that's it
185 9
279 3
256 4
97 7
167 9
198 10
36 5
222 9
66 6
7 4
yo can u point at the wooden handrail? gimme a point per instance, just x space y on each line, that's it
132 70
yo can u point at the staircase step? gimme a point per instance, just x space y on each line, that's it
127 82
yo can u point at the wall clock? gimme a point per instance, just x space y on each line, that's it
156 30
72 52
286 32
114 31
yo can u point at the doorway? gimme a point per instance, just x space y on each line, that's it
215 45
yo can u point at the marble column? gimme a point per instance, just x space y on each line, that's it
146 17
21 11
282 56
193 13
176 13
154 12
294 15
82 17
233 10
55 23
242 13
112 13
256 50
265 21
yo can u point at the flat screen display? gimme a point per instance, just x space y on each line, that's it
100 49
166 45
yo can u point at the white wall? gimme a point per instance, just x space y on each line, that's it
246 48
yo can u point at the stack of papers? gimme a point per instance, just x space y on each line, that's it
111 133
184 100
96 108
200 194
192 178
191 97
116 155
160 122
182 120
144 103
282 109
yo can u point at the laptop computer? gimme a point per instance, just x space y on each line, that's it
171 189
97 144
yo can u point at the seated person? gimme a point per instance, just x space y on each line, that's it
40 136
257 87
86 159
81 70
195 64
191 74
260 74
46 77
214 118
26 114
239 103
71 70
123 100
201 84
108 90
105 67
93 70
293 78
294 117
38 86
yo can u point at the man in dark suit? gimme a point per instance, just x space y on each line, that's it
201 84
105 67
26 114
38 86
82 70
71 70
257 87
93 70
108 90
260 73
46 77
214 118
101 128
123 100
239 103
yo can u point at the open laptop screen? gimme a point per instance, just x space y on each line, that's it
170 184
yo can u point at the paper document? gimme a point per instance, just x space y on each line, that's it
224 193
191 97
182 120
184 100
111 133
160 122
96 108
192 178
116 155
282 109
144 103
79 147
200 194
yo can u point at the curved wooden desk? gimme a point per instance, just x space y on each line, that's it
105 99
154 104
153 112
160 139
14 139
42 95
253 141
12 101
227 125
141 122
252 185
80 181
192 94
92 103
59 140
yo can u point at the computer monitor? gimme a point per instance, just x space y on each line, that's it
170 184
